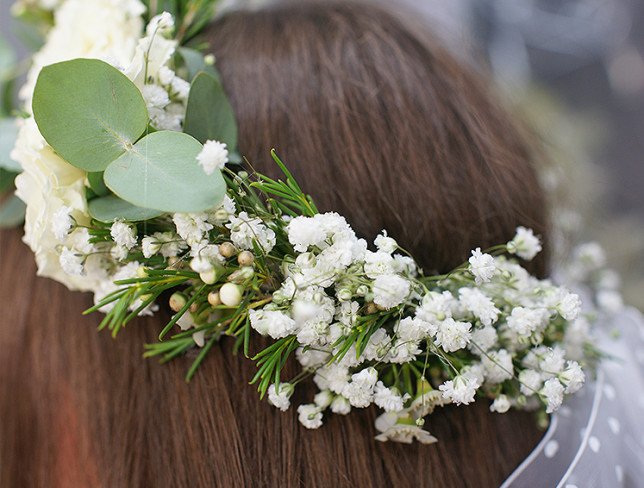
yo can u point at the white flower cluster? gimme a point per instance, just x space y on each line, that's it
492 310
164 92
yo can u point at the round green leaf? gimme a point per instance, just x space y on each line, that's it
194 62
111 208
208 113
88 111
161 172
12 212
8 136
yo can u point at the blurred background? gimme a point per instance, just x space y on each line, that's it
575 70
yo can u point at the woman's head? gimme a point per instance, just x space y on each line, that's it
380 124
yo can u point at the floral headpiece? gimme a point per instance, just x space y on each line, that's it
123 154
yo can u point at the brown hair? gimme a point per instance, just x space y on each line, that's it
379 124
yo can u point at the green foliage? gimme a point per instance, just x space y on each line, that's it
291 199
88 111
209 114
12 212
7 77
161 172
110 208
8 135
96 183
191 16
194 63
6 180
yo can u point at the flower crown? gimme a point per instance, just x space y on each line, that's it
128 196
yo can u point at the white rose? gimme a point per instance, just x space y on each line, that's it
89 29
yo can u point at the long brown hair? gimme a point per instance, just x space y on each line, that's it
378 123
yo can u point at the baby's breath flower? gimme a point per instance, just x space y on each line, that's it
482 266
378 263
123 234
483 339
475 301
304 232
453 335
498 366
553 392
245 229
280 396
388 399
310 416
390 290
524 321
323 399
359 391
501 404
460 390
572 377
213 156
161 24
62 222
272 322
394 427
191 227
530 381
340 405
569 305
384 243
155 97
524 244
71 262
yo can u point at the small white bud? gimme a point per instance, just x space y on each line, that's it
209 277
344 295
177 301
230 294
227 250
245 258
362 290
213 298
221 215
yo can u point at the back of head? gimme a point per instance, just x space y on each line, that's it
381 125
378 123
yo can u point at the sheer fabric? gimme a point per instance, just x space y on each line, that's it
597 438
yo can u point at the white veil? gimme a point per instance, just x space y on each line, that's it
597 438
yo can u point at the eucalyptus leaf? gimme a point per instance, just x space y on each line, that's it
12 212
8 135
88 111
111 208
7 58
161 172
6 179
209 114
194 63
97 184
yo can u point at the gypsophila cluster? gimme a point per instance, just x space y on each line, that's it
366 326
